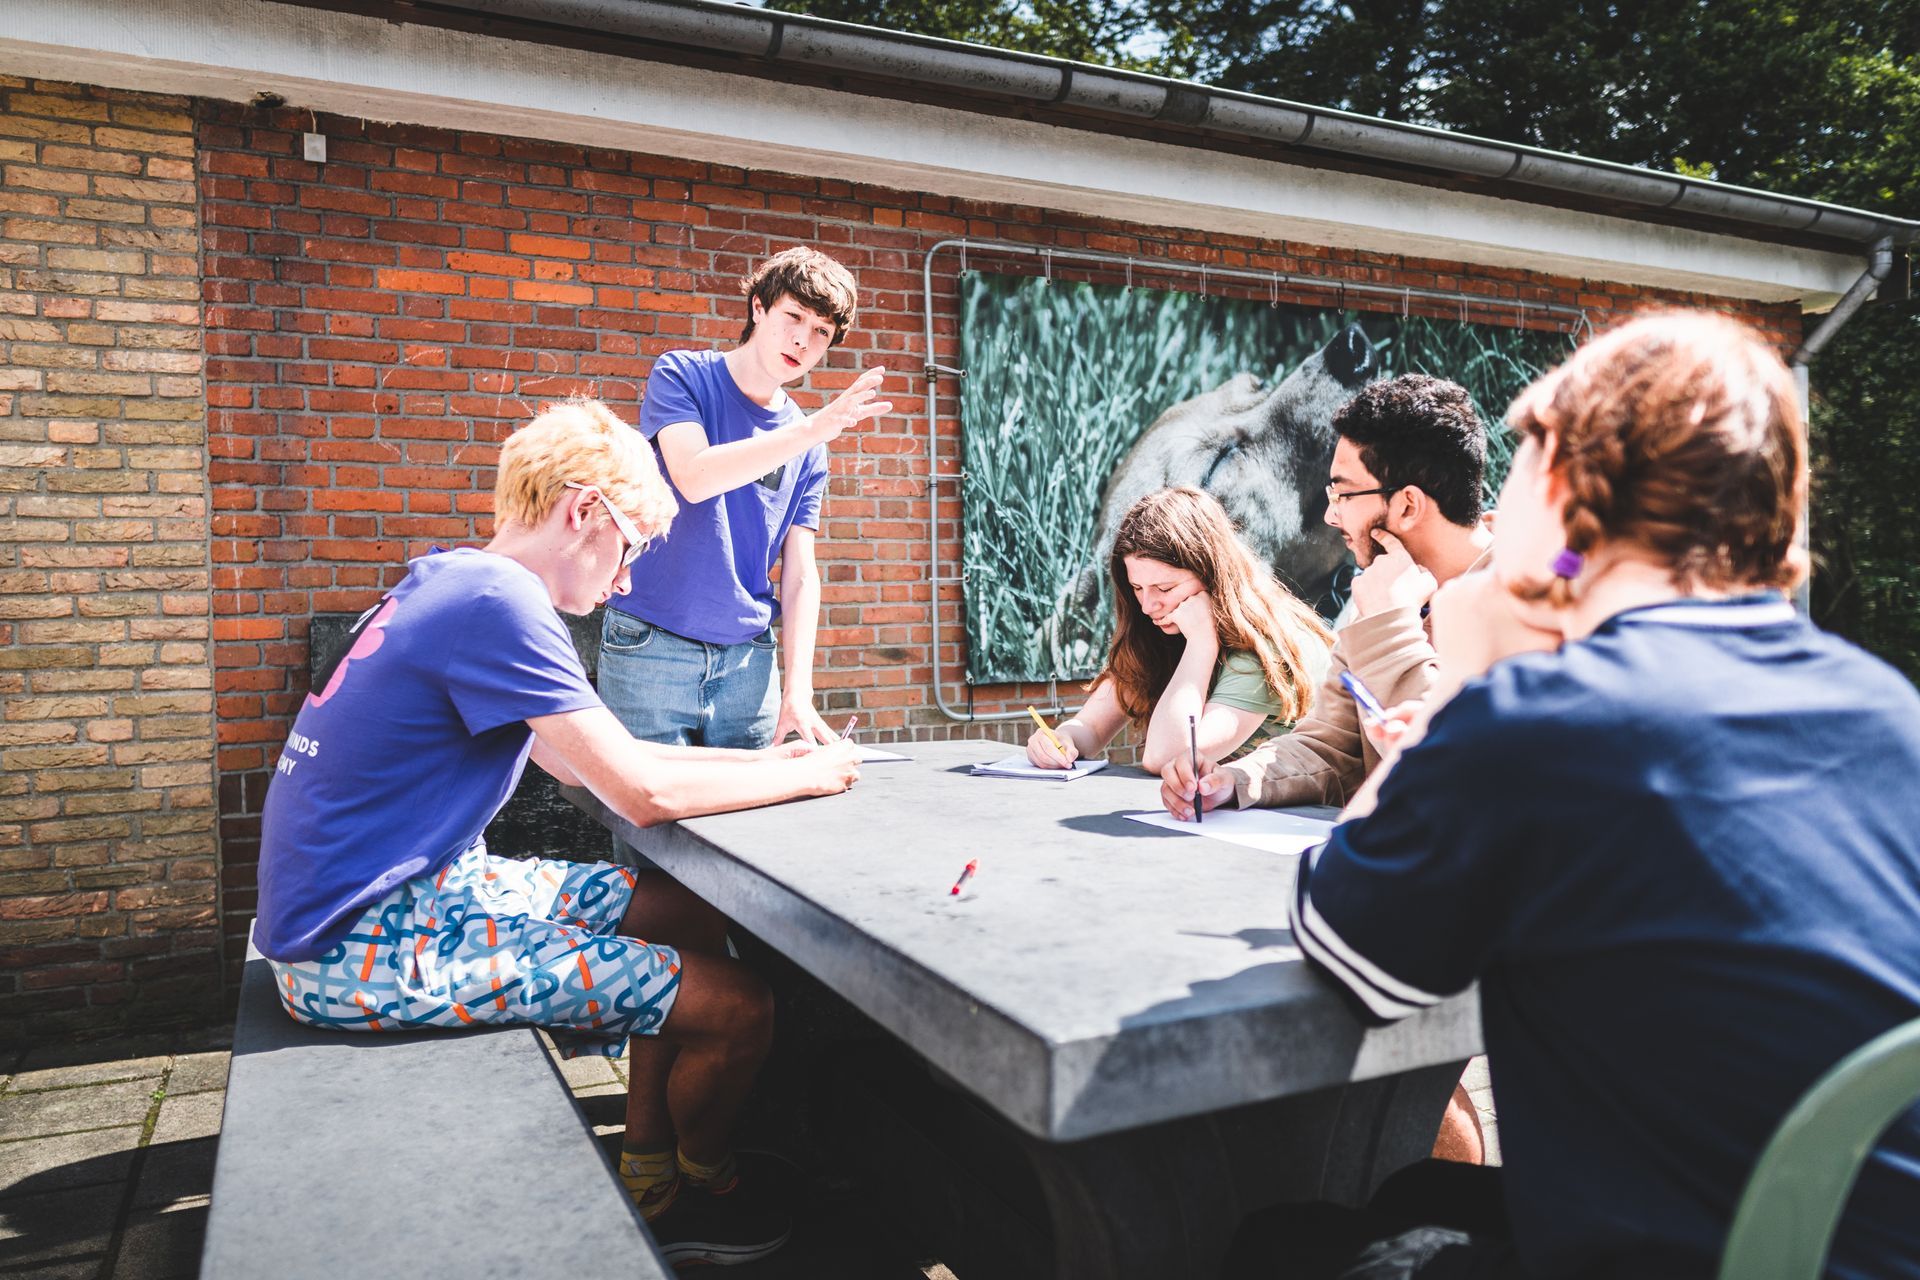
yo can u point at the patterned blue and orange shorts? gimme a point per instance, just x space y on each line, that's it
493 940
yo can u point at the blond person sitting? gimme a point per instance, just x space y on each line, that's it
381 908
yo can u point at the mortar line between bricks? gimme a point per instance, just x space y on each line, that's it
135 1168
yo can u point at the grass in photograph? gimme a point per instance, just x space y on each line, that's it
1062 377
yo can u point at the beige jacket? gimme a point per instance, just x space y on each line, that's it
1327 756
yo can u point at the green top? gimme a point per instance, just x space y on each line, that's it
1238 682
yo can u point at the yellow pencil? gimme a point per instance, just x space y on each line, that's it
1052 737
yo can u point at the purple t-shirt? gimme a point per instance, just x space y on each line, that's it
396 766
708 578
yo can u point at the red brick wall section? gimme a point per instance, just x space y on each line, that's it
107 871
376 324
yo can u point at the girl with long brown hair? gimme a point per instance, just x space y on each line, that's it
1202 629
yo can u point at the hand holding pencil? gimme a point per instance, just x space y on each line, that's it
1048 748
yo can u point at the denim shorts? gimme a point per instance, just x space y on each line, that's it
493 940
667 688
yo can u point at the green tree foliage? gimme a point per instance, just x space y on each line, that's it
1819 98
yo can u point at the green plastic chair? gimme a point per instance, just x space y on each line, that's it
1800 1184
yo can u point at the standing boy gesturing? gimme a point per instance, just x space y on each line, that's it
687 656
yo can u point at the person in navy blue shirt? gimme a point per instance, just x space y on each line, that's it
381 908
687 656
1669 827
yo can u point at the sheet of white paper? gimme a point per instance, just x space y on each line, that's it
1266 829
1021 767
874 755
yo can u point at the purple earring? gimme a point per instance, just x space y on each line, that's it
1568 563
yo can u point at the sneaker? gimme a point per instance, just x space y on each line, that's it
735 1226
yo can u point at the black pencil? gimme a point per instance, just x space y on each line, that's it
1193 749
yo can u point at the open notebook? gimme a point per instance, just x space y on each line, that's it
1021 767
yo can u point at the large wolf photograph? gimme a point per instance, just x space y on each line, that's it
1080 398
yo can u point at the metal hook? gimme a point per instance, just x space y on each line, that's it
1463 308
1343 295
1129 275
1273 290
1406 304
1046 266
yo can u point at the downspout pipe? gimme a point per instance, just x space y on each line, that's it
1879 266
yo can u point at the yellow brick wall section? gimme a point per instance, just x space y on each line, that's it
107 816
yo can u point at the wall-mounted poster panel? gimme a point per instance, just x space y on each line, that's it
1080 398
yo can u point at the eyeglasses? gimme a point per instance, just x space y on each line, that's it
1334 497
635 543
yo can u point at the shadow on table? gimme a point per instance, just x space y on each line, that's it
1118 824
1256 939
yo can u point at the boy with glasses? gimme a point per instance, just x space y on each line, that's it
1404 490
380 907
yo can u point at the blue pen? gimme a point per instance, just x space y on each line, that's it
1363 698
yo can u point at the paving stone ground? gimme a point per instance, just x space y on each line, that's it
106 1156
106 1164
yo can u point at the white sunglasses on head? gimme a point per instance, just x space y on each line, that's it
635 543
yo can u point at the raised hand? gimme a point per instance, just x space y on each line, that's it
854 405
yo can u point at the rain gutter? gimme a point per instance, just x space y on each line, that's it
820 45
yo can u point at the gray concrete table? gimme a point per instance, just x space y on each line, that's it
1129 998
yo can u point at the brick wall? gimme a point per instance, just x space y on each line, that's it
377 324
373 327
107 854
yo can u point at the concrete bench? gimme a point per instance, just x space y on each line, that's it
458 1154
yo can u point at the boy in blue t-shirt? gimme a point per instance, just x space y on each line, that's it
687 656
380 907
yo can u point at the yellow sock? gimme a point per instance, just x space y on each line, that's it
717 1178
651 1177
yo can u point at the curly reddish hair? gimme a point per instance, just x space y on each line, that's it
1678 434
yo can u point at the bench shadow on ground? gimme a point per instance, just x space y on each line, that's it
88 1187
133 1212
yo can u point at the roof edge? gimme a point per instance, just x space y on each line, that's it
825 45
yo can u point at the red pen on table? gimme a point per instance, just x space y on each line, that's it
966 874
